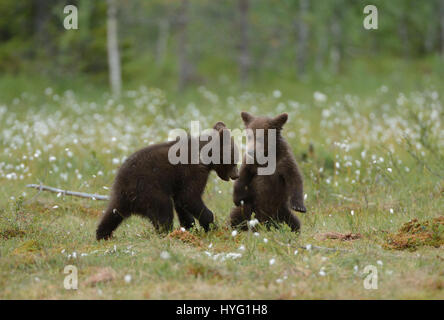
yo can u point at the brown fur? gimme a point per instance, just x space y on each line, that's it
270 197
147 184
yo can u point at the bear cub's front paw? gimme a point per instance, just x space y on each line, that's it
297 206
240 194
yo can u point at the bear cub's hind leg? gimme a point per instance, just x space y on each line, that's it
285 215
161 215
240 216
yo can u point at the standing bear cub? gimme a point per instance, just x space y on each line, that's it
148 184
269 196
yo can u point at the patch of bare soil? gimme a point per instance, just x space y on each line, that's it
340 236
101 275
185 237
414 234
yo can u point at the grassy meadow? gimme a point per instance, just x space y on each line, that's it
372 161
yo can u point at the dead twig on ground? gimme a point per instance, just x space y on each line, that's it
41 187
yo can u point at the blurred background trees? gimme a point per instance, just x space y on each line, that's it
182 43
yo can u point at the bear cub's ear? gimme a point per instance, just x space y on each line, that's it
220 125
279 121
247 117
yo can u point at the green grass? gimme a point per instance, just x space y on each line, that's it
378 154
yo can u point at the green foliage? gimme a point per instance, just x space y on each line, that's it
32 37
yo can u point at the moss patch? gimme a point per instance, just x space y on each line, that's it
11 233
414 234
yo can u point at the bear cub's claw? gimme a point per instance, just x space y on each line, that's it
102 235
299 208
296 206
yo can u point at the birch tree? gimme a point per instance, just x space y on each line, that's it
186 68
441 23
115 77
244 54
302 38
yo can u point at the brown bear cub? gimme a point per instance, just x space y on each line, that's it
269 196
148 184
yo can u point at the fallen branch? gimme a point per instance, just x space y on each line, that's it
310 247
41 187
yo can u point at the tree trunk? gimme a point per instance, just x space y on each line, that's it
430 37
186 68
321 52
244 54
42 18
404 34
162 40
115 77
336 50
441 23
302 38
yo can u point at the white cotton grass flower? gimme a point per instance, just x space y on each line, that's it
277 94
127 278
234 233
295 252
308 247
241 248
182 229
352 212
379 262
256 234
252 223
165 255
319 96
233 255
265 240
391 210
272 261
322 272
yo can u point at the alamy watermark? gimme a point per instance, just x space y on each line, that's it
70 282
371 20
371 279
213 146
71 20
